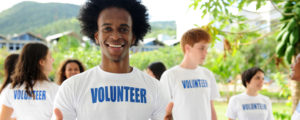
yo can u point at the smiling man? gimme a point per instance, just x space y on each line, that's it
113 90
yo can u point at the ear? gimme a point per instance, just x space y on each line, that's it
42 62
133 39
96 35
187 48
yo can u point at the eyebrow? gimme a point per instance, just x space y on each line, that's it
124 25
108 24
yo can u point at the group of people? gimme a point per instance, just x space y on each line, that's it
26 91
114 90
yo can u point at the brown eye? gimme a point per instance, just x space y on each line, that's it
124 30
107 29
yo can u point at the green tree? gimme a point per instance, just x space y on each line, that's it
3 54
287 45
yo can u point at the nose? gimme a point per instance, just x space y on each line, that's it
115 35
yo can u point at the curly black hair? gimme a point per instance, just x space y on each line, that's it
89 14
247 75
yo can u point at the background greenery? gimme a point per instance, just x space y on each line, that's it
246 47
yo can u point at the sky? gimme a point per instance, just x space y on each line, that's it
159 10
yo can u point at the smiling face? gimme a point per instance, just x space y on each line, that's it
114 34
72 68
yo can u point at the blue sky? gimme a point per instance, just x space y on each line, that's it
159 10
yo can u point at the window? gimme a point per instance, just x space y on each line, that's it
17 46
11 46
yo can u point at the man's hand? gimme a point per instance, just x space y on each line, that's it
58 114
169 115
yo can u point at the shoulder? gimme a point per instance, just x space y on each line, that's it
172 70
142 75
81 77
205 70
151 82
53 85
47 85
6 89
265 98
238 96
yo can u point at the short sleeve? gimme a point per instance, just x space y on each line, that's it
214 94
165 80
231 109
270 113
7 97
64 101
161 103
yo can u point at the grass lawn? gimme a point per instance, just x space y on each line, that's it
276 107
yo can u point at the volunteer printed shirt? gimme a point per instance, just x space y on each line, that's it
191 90
245 107
27 108
99 95
296 115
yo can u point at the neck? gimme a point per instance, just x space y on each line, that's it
251 92
46 73
187 63
116 67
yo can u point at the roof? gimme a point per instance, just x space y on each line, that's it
171 42
154 40
59 35
36 36
3 37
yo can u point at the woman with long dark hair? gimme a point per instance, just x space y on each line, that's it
67 69
30 95
9 66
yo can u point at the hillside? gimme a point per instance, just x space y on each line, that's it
32 15
51 18
71 24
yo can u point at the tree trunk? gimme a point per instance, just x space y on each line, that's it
295 86
295 89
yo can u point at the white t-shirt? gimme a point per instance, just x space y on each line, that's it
245 107
191 90
27 108
1 101
296 115
99 95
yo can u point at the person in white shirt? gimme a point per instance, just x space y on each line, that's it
191 87
295 75
112 90
30 96
9 67
250 105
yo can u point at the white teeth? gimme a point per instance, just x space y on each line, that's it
115 45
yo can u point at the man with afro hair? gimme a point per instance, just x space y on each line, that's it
112 90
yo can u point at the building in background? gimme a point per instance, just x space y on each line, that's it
17 42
